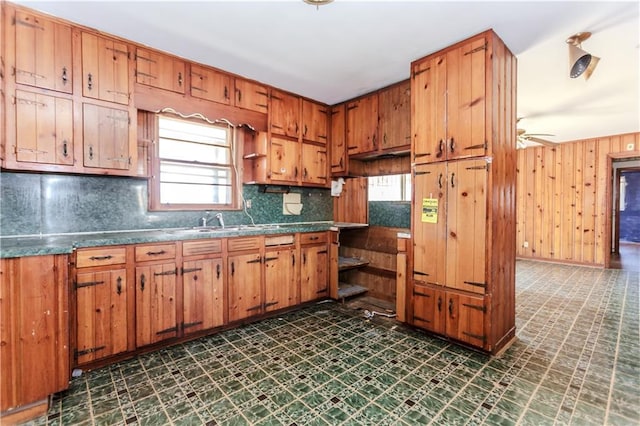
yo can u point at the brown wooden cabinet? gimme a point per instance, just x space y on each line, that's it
160 70
314 164
102 303
244 284
106 137
284 114
394 108
43 52
315 122
338 140
281 289
450 102
203 285
362 125
284 161
463 211
105 69
34 313
44 129
251 96
210 84
314 277
156 292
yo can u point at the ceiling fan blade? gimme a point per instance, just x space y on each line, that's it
542 141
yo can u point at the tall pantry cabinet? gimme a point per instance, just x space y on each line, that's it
463 214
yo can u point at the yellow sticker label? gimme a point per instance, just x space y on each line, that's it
430 210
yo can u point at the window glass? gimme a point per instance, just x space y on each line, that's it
194 164
390 188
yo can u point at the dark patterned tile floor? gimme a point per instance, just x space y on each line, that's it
576 361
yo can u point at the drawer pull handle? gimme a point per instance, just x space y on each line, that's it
119 286
451 307
218 271
314 238
107 257
233 268
155 253
143 279
440 304
89 81
293 260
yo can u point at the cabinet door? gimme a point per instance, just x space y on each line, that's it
466 223
314 164
465 318
280 278
209 84
101 314
428 109
105 69
395 117
155 303
43 52
429 308
315 123
251 95
159 70
430 223
466 100
244 286
203 295
314 280
106 137
284 114
338 140
362 125
284 157
44 129
34 313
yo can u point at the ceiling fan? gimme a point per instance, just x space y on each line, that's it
524 137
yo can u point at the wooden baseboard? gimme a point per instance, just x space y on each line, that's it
24 413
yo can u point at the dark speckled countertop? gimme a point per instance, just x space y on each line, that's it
32 245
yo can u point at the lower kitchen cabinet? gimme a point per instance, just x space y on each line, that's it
313 272
101 314
244 285
34 333
456 315
156 287
280 279
202 294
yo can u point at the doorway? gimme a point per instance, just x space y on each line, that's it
625 215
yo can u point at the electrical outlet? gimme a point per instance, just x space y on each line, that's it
525 244
247 203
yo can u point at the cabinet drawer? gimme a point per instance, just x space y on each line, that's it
192 248
313 237
279 240
237 244
155 252
100 256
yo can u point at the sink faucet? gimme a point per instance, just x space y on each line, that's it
204 219
220 219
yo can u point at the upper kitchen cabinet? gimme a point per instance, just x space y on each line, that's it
251 96
43 52
284 114
338 140
43 130
362 125
315 122
394 108
450 101
106 138
105 69
210 84
159 70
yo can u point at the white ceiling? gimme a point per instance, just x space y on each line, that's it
349 47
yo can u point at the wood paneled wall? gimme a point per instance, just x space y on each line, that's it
562 198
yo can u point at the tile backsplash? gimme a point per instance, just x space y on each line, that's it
52 204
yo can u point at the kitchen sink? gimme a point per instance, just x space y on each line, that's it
218 229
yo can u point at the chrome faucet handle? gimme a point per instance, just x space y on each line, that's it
220 219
